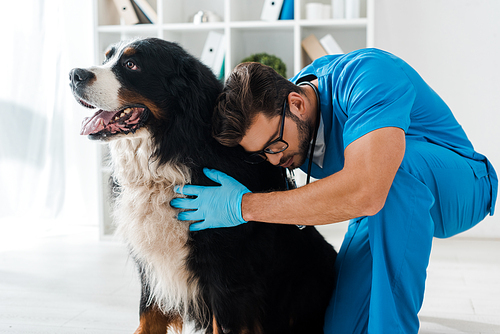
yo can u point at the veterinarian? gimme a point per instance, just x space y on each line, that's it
390 157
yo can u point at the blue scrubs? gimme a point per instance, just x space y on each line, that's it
443 187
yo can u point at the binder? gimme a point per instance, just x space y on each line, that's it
287 10
338 9
222 73
352 9
147 10
214 51
313 47
143 19
218 65
330 45
271 10
126 11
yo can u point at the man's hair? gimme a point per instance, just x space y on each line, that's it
251 88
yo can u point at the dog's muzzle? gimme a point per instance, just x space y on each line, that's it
80 77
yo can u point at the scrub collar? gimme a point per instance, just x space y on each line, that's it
319 148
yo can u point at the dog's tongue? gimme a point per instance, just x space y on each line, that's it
97 122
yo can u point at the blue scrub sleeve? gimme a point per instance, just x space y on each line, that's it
375 93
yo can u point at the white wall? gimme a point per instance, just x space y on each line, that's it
455 46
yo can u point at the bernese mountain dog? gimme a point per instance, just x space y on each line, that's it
154 105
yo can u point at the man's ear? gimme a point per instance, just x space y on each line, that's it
297 104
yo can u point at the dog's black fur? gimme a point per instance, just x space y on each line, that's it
254 278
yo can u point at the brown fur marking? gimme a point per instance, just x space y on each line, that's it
130 51
155 322
129 97
215 326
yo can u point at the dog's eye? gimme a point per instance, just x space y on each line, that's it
131 65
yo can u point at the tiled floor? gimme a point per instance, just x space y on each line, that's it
463 287
66 281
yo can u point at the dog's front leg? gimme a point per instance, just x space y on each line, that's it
152 319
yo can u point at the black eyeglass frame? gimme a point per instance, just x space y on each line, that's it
260 156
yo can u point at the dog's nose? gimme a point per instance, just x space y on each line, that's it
79 76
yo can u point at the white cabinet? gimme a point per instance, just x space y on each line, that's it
245 34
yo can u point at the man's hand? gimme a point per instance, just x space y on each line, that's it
213 207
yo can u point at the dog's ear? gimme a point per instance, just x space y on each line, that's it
189 85
189 92
110 51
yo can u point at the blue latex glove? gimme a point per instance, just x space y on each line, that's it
215 206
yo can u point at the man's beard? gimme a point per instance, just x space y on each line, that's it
305 130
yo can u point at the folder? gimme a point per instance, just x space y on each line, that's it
287 10
143 19
218 65
126 11
147 10
352 8
271 10
338 9
313 47
214 51
330 45
222 73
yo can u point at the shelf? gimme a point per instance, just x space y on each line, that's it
193 26
261 24
245 34
138 28
355 23
344 23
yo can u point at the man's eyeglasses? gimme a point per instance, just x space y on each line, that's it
276 146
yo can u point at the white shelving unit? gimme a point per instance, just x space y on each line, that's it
245 35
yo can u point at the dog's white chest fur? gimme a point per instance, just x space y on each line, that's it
148 223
